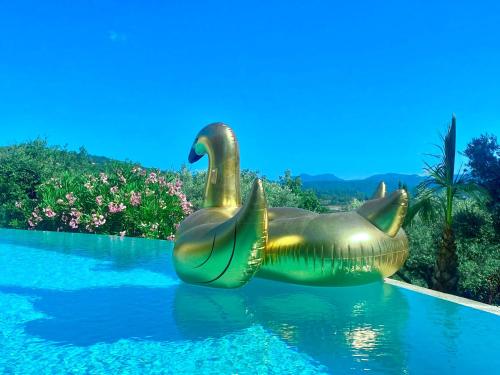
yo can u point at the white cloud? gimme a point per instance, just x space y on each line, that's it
117 37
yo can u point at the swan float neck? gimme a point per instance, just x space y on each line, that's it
222 186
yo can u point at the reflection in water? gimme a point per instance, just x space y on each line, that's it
124 253
357 327
362 338
353 328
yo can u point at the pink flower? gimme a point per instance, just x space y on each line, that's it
99 200
98 220
71 198
113 190
187 207
175 189
115 207
135 198
154 227
152 178
49 212
171 188
75 213
88 186
171 237
104 178
35 218
75 218
122 233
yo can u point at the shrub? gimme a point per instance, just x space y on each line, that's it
419 267
25 166
477 250
479 267
128 201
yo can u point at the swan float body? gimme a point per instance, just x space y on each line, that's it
225 243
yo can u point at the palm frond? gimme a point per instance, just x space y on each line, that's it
450 149
473 190
426 207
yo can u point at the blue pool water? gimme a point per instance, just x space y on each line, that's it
74 303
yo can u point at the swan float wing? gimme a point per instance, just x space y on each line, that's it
225 254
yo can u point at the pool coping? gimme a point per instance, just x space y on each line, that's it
448 297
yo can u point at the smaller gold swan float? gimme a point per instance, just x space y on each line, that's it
225 243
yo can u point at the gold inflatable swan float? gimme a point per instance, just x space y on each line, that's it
225 244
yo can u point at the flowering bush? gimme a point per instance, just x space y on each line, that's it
128 201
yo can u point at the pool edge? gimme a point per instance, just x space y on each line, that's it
448 297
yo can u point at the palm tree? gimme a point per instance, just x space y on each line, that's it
435 199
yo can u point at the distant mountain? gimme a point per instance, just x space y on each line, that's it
338 191
393 179
319 177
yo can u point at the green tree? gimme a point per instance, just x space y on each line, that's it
308 199
436 196
484 165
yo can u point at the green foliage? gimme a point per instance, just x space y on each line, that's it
342 198
36 181
285 193
446 200
435 201
442 183
477 249
479 266
419 267
193 185
25 166
354 204
484 166
484 163
472 220
129 201
277 195
308 200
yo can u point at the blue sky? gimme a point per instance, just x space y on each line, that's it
350 88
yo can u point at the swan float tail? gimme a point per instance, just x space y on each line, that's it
381 191
386 213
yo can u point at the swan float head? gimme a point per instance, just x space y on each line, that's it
225 243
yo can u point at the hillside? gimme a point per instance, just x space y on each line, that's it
335 190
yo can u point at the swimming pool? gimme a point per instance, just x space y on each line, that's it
98 304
